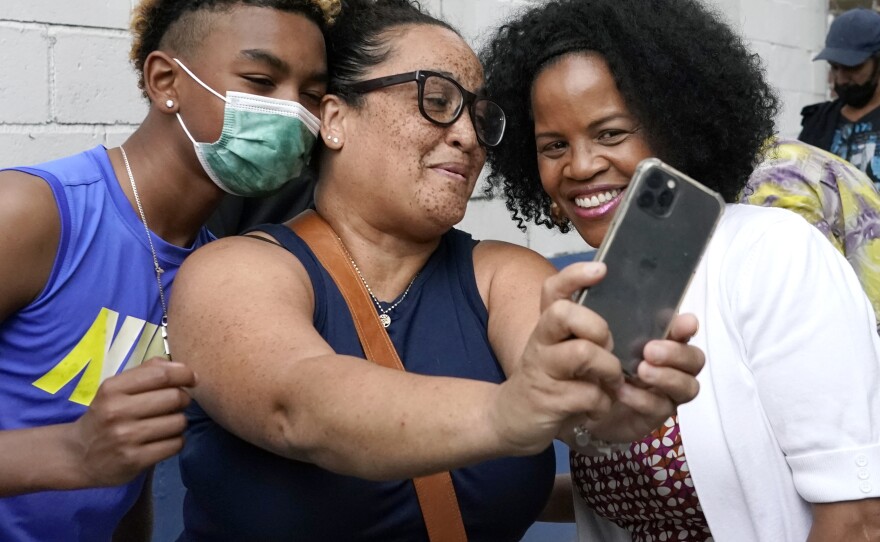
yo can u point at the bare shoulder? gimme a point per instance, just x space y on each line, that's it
29 232
510 279
29 201
235 291
501 261
491 251
241 311
239 265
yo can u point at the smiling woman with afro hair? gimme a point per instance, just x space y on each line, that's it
698 92
769 450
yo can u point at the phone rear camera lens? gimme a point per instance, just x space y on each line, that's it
665 198
646 199
655 180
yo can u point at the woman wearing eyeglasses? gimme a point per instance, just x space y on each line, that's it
295 435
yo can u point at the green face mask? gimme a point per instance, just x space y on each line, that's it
265 142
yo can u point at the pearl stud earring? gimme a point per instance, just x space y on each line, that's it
169 103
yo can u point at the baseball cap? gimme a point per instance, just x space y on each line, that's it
853 37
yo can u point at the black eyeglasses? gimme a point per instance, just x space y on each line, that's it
442 100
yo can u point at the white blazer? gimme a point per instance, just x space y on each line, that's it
788 411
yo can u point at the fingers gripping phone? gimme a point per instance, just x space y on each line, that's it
652 250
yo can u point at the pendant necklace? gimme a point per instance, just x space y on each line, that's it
383 316
159 270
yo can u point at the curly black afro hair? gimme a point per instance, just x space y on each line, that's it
696 89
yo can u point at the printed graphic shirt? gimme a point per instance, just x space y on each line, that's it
859 143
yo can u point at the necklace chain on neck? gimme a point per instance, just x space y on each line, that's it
383 317
157 268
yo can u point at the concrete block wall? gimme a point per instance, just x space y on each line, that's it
787 34
67 84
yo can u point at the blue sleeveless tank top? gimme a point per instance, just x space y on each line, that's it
97 316
237 491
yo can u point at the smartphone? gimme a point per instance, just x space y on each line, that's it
652 249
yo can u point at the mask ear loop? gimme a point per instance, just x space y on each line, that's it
182 125
199 81
206 87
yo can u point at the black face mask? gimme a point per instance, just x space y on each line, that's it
858 96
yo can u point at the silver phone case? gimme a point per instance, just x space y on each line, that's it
651 259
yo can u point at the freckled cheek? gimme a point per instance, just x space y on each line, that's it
444 200
443 203
395 140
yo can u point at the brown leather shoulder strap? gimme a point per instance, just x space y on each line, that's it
329 250
436 493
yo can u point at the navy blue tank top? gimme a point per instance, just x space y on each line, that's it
237 491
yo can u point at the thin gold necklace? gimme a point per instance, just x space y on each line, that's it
383 316
158 269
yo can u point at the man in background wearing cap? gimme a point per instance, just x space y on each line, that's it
850 125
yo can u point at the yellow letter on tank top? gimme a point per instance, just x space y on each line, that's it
100 354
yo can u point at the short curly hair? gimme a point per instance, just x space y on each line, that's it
696 89
180 24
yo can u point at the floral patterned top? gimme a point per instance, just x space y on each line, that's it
646 489
829 193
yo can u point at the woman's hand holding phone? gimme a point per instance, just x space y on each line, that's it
572 345
665 379
566 369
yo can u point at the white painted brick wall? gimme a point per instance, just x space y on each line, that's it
92 83
67 84
24 87
80 13
787 34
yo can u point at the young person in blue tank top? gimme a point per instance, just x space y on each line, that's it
98 238
296 436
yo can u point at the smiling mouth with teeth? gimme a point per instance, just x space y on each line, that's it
596 200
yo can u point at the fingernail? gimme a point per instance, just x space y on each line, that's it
653 351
